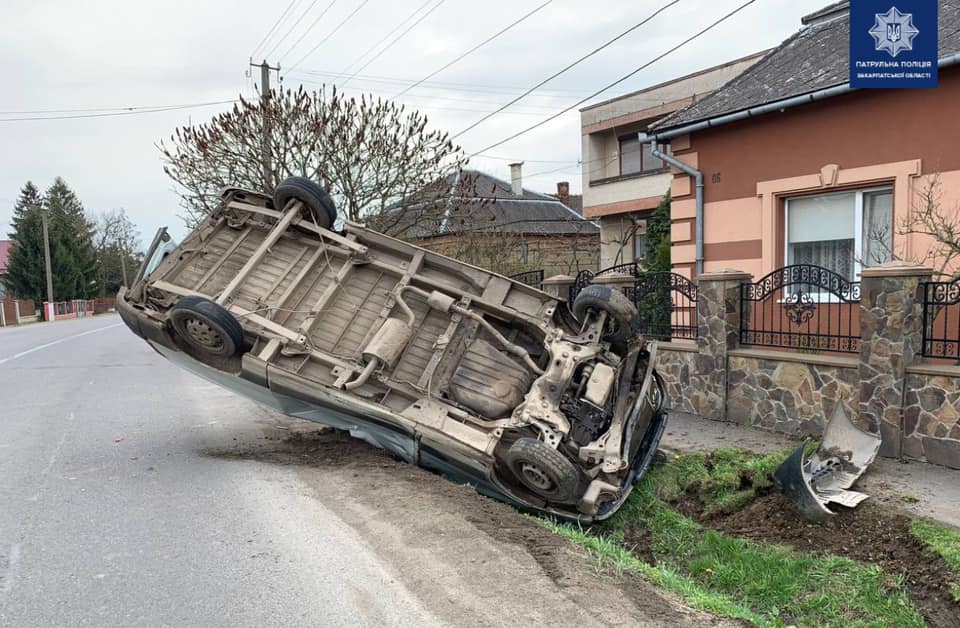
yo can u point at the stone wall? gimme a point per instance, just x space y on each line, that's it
787 392
675 362
887 388
931 413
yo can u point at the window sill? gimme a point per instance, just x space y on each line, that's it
627 177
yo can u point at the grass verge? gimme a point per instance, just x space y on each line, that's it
767 584
941 540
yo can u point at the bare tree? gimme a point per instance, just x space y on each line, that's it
115 242
372 155
940 226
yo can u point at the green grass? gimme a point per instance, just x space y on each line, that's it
944 541
767 584
725 481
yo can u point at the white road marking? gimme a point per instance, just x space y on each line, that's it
9 567
56 342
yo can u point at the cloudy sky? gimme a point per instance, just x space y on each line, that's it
61 56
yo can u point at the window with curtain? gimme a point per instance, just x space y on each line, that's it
636 157
841 231
631 154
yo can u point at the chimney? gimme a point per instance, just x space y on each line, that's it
563 191
516 178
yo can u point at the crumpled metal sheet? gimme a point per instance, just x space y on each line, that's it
827 475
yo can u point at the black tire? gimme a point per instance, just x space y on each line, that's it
206 328
623 320
543 470
318 203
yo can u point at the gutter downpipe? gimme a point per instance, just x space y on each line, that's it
676 163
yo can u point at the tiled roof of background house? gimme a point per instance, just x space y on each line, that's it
492 206
816 57
5 246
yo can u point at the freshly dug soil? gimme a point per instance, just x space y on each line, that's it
866 534
468 558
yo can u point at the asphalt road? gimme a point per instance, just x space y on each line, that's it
110 516
135 494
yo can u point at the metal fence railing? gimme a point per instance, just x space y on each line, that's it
803 307
531 278
941 319
667 303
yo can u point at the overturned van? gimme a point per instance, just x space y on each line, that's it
549 406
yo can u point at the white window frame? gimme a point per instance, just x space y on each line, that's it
857 229
857 222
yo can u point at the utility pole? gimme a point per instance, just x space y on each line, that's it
265 152
44 211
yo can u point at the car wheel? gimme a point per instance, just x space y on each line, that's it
206 327
318 203
623 321
543 470
657 393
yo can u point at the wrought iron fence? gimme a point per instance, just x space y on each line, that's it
803 307
667 303
941 319
531 278
585 277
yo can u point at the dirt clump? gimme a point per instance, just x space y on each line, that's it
462 554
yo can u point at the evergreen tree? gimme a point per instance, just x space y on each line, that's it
658 237
72 257
26 278
72 254
656 306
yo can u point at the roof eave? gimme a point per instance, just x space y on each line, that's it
776 105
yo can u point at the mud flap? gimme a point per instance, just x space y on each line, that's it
826 476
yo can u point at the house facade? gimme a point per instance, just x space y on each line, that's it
504 227
797 168
622 181
4 259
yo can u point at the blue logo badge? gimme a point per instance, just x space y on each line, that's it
894 31
893 46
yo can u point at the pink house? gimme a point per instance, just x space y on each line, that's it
798 168
5 246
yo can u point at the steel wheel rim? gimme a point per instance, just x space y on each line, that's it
203 333
535 477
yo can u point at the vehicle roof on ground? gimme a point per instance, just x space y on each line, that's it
814 58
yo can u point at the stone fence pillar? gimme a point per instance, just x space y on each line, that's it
718 322
891 337
558 286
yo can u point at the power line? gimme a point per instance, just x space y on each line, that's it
304 33
387 36
330 34
542 108
622 79
475 48
577 62
273 28
460 109
126 112
395 40
438 84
